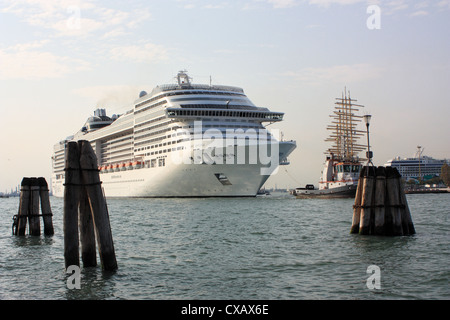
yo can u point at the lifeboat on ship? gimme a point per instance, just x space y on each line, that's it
137 164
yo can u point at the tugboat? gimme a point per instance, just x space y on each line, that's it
342 166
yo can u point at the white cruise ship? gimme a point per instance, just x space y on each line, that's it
182 140
418 167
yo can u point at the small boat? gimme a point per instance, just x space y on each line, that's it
342 166
339 180
263 192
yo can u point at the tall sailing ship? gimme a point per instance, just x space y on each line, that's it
182 140
342 165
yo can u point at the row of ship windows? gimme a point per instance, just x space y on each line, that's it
224 113
150 134
148 122
187 133
161 160
190 127
158 145
214 106
138 165
163 151
164 124
150 141
422 171
219 127
150 107
129 148
122 157
126 138
118 139
152 163
416 165
108 150
107 146
252 137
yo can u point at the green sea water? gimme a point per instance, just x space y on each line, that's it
265 248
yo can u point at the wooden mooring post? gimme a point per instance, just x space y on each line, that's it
45 207
83 194
72 187
380 204
31 190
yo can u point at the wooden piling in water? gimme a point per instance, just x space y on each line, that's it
87 232
72 187
380 204
33 215
393 200
31 190
83 192
406 216
357 205
367 199
92 183
24 207
379 201
45 207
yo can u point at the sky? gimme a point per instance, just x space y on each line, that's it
61 59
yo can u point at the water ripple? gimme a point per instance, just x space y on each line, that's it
274 247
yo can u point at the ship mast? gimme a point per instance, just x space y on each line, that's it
344 134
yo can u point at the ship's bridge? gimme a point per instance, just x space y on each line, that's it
256 115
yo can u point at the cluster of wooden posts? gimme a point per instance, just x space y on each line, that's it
31 190
85 210
380 204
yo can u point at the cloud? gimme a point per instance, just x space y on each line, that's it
388 7
419 13
443 4
282 3
148 52
394 6
203 4
28 61
336 74
74 18
327 3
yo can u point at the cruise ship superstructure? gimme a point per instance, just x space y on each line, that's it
182 140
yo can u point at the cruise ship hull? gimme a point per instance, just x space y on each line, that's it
189 179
